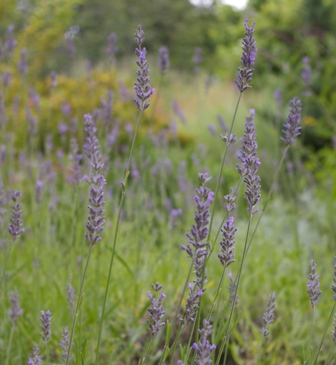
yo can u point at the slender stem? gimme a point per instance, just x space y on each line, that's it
324 334
142 362
122 199
310 338
236 290
9 343
276 176
172 351
222 165
259 351
79 302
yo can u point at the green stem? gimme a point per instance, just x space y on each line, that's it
310 338
222 166
122 199
142 362
78 305
324 334
9 343
276 176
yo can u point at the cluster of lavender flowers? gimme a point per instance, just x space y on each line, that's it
248 59
203 347
313 285
142 87
156 311
249 164
15 228
292 127
96 220
197 249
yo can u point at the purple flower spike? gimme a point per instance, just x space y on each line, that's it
45 325
10 42
203 348
156 311
142 87
22 65
248 59
15 310
250 163
111 48
65 343
15 228
96 220
226 256
36 358
163 59
313 285
269 316
292 127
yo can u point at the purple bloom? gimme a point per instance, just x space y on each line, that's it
203 347
96 220
178 111
313 285
6 78
45 325
34 98
306 75
35 359
15 228
250 163
10 42
71 298
248 58
22 65
142 87
156 311
15 310
269 316
38 191
197 248
333 287
230 198
53 77
226 256
111 48
197 59
65 343
76 158
107 108
232 289
163 59
292 127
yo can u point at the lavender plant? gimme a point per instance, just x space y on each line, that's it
143 92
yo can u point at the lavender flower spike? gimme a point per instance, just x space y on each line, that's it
96 220
36 358
15 228
313 285
269 316
65 343
45 325
142 87
163 59
156 311
250 163
203 348
226 256
15 310
248 59
292 127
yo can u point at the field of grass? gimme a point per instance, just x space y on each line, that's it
52 266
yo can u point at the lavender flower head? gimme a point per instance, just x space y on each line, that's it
198 246
15 228
203 348
248 58
292 127
142 87
15 310
230 204
111 48
249 164
10 42
163 59
313 285
45 325
226 256
22 65
156 311
65 343
75 158
269 316
96 220
306 76
36 358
